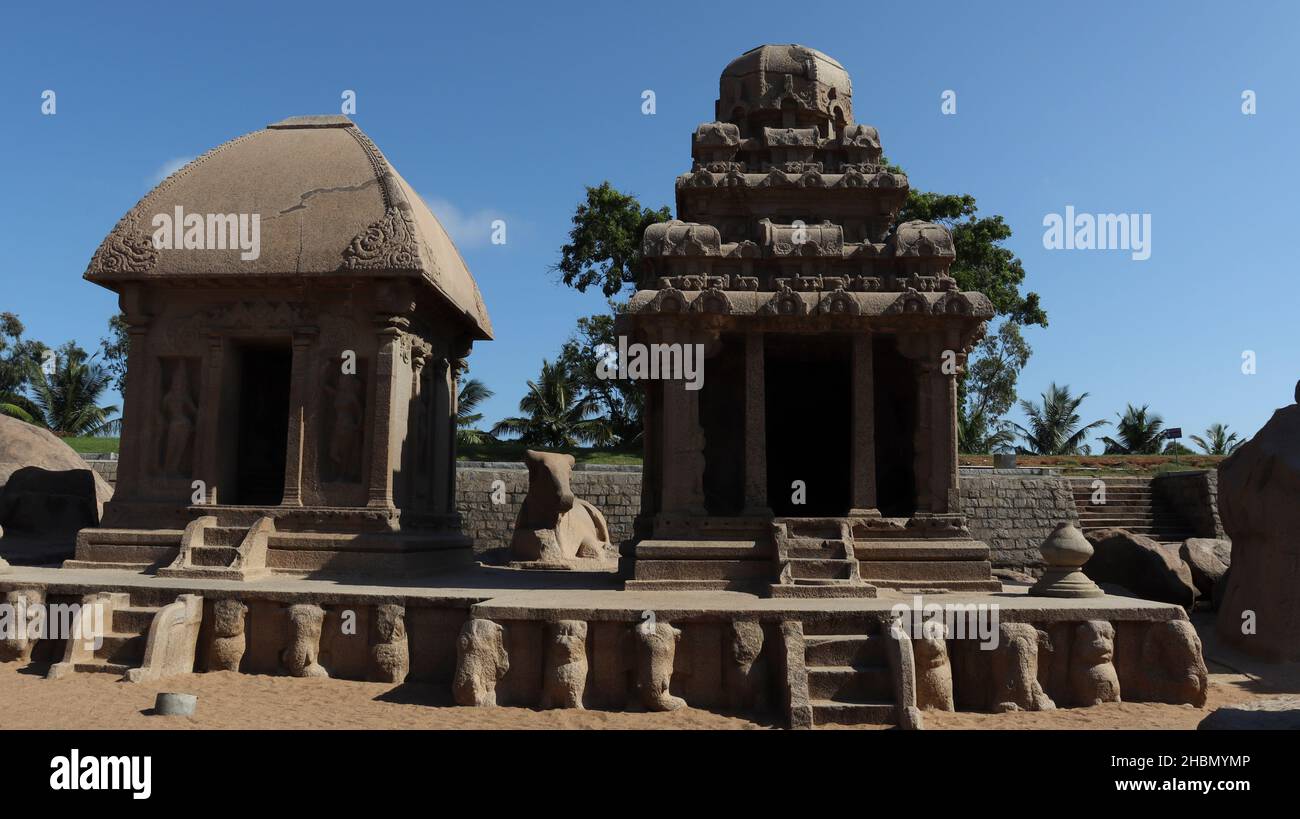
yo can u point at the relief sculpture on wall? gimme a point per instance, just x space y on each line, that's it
343 430
179 414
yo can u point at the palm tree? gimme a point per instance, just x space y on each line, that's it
472 393
554 416
978 436
1053 427
1218 441
67 398
1139 432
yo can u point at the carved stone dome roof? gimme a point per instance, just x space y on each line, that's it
766 76
328 204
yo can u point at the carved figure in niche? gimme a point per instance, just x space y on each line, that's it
1092 670
343 449
178 410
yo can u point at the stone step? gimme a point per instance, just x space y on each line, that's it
909 586
127 649
216 536
704 569
133 619
100 667
828 712
841 626
807 569
929 571
213 556
920 550
702 550
807 589
103 564
852 683
114 552
843 649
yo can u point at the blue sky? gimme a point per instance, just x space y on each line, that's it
507 110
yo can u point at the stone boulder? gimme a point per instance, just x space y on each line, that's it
43 460
1280 714
1258 488
1150 570
1202 557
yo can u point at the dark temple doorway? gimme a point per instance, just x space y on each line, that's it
264 373
809 412
895 412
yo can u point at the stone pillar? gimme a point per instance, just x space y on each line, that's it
457 366
300 385
863 500
208 442
131 463
683 447
755 428
943 425
379 486
441 403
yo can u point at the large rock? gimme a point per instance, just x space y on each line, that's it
23 445
1258 488
1149 569
1280 714
1202 557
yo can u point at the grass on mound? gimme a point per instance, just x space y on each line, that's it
1108 464
514 451
92 446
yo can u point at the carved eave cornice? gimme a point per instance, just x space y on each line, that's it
778 178
965 309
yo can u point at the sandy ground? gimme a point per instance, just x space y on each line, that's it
230 700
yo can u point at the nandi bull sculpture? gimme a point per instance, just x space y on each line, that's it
556 530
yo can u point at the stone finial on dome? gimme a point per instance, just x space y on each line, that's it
791 81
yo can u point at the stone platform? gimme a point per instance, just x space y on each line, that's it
803 661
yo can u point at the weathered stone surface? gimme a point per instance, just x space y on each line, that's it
902 671
1171 667
23 445
1093 679
1258 488
301 657
169 704
1202 557
556 529
228 639
390 654
1064 551
1149 569
745 676
656 647
933 671
565 674
1013 669
172 640
1278 714
481 662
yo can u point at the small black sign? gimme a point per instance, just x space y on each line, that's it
1174 432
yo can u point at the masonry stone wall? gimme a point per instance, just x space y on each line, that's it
615 491
1194 495
1014 514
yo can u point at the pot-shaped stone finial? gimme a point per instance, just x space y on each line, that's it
1064 551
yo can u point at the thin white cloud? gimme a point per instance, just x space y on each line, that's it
467 230
168 168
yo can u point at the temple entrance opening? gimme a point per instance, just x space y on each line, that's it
808 423
264 371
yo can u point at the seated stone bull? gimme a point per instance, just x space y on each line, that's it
554 526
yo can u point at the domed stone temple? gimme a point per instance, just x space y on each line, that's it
298 319
818 453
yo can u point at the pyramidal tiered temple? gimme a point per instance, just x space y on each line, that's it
819 458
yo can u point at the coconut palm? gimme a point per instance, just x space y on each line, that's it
1053 428
977 435
554 414
1218 441
67 398
1139 432
472 393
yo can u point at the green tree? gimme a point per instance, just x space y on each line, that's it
988 390
1139 432
620 400
19 358
472 393
604 245
555 416
1054 427
67 398
1218 441
116 345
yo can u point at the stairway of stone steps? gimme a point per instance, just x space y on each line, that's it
1130 504
817 560
849 679
125 636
